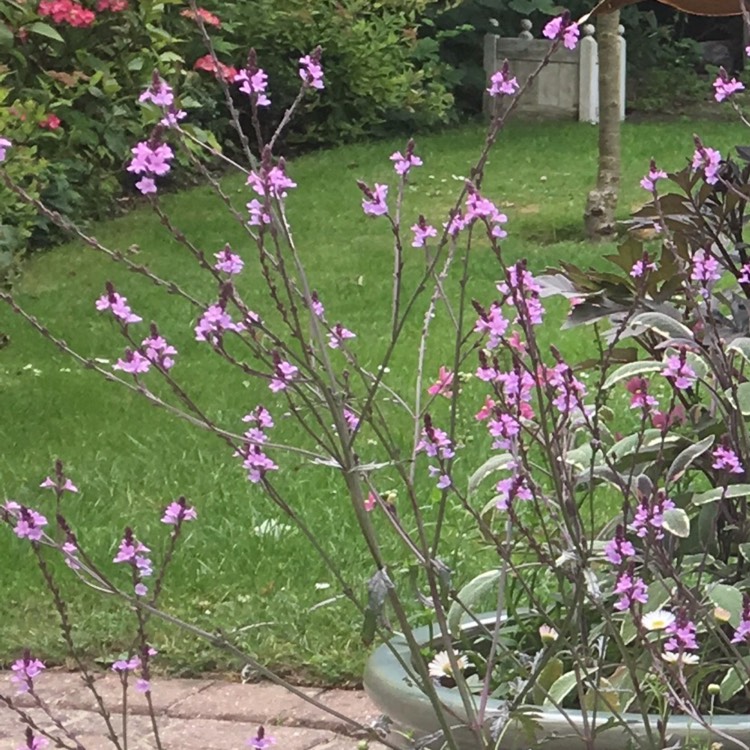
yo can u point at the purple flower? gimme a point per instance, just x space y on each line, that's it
259 214
150 158
284 374
256 462
133 362
127 665
134 553
261 741
679 371
422 230
563 28
338 335
501 83
118 304
484 209
727 460
619 549
742 633
146 185
25 670
456 223
214 322
404 162
5 144
444 481
642 267
271 182
640 399
352 420
254 81
172 117
724 87
177 512
140 589
34 742
70 551
373 204
311 71
513 488
29 524
158 351
228 262
522 292
493 324
705 270
435 442
649 516
316 305
158 93
682 632
630 590
260 416
653 176
708 160
60 483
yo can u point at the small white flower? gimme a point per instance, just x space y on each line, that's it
440 666
672 657
548 634
658 620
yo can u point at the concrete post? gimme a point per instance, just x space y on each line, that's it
588 80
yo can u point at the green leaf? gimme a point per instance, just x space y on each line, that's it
561 688
603 698
744 549
580 458
728 598
551 672
717 493
44 29
734 680
687 457
469 597
741 346
743 398
676 522
649 441
663 324
631 370
6 37
492 464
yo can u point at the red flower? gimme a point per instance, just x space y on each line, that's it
227 72
206 16
66 11
50 122
114 6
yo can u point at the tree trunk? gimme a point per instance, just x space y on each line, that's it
599 216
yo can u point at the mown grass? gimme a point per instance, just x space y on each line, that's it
130 459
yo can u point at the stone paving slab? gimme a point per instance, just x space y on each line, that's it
192 714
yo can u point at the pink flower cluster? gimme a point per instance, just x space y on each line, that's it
563 28
639 396
214 322
653 176
725 87
725 459
118 305
177 512
515 487
644 265
284 373
228 262
311 71
338 335
502 83
29 523
150 159
679 372
373 203
705 270
219 69
271 182
649 516
422 232
254 459
435 443
66 12
113 6
403 163
522 291
708 160
25 671
254 82
134 553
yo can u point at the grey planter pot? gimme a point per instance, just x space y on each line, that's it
399 698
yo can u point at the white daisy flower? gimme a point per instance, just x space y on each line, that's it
658 620
672 657
440 666
548 634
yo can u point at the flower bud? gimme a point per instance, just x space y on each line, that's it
548 634
714 689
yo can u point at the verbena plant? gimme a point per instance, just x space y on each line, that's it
618 514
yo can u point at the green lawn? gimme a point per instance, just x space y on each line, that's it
130 459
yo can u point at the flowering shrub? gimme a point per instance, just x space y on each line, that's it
77 67
616 506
